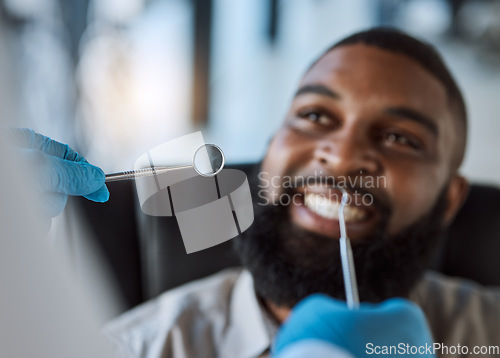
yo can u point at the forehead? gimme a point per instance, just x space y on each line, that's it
373 75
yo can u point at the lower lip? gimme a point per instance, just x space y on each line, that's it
302 216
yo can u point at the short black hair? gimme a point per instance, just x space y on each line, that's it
426 55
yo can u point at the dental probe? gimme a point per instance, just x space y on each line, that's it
350 284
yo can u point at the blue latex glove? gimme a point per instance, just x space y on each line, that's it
395 322
58 171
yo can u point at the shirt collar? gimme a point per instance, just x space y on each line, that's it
250 328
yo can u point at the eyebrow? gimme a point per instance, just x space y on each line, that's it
415 116
317 89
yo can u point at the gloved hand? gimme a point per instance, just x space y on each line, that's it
58 171
394 322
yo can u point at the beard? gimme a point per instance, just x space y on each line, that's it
289 263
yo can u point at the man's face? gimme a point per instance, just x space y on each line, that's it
365 113
360 113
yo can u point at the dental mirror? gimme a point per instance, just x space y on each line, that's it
208 161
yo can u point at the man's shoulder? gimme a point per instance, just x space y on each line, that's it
200 298
435 284
459 310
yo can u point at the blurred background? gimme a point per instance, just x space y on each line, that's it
114 78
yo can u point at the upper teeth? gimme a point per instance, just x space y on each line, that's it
323 206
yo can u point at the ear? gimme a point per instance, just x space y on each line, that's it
456 195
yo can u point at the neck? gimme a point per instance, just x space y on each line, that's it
279 313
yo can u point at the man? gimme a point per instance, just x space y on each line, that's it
378 104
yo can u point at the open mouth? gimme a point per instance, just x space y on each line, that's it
329 209
318 211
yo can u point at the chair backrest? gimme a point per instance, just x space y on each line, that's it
166 263
472 246
148 257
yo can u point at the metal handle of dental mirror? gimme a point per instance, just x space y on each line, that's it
208 161
348 269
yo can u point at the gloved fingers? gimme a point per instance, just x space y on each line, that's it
68 177
27 138
319 303
392 309
327 319
310 319
60 150
321 300
53 203
409 316
99 196
399 306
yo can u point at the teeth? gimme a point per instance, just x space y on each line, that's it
329 209
323 206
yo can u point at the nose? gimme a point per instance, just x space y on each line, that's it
347 153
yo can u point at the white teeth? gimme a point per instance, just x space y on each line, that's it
323 206
329 209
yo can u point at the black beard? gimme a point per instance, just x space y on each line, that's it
289 263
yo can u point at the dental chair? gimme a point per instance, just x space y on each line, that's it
147 256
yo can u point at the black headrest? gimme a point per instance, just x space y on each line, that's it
472 245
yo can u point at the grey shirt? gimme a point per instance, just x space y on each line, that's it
220 316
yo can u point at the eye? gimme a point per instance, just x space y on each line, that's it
394 138
315 116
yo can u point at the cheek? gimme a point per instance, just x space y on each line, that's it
286 154
414 193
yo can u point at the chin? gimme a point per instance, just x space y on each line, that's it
290 259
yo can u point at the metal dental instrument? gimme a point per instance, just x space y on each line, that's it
351 287
208 161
